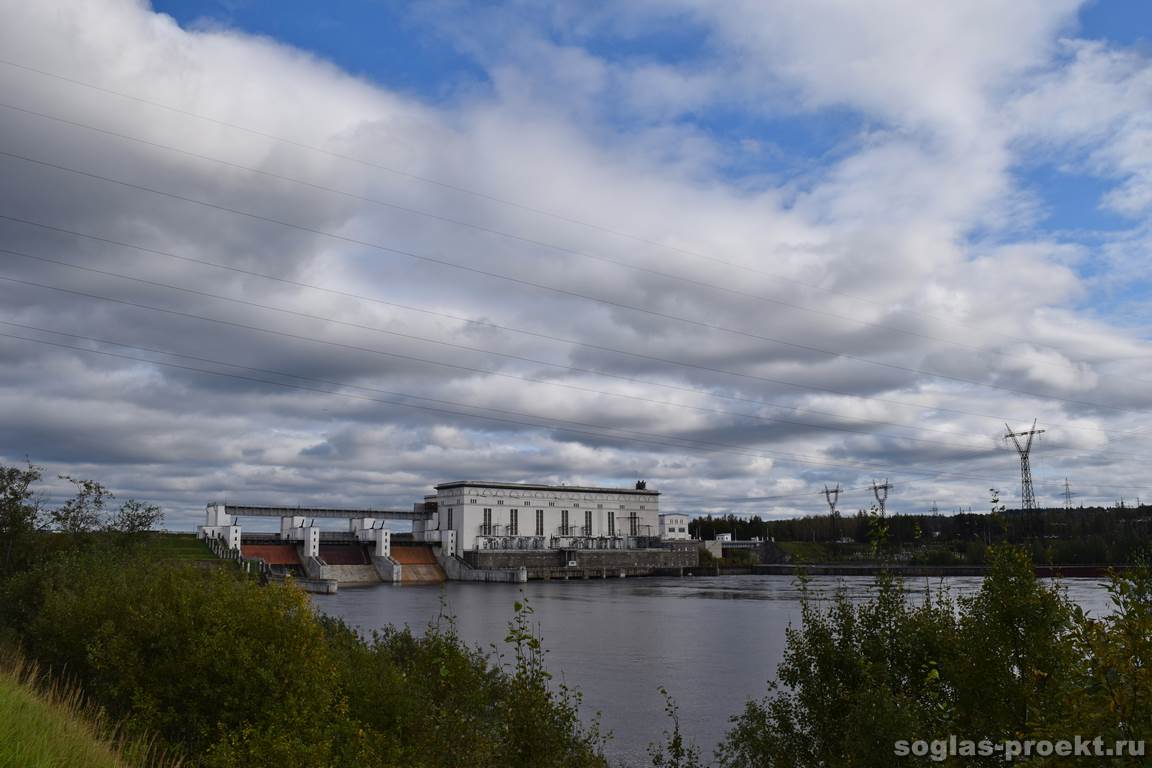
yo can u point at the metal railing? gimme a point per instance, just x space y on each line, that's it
254 565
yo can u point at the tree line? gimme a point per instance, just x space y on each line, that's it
1081 535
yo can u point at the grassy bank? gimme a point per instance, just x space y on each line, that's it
177 547
50 729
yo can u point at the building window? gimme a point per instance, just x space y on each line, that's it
633 525
471 501
587 522
641 506
611 524
486 526
501 502
599 506
551 503
563 522
449 518
513 522
539 522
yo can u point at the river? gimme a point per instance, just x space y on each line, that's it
713 642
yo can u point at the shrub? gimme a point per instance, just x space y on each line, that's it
231 673
1015 660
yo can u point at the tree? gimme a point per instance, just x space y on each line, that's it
84 512
1010 661
20 512
135 517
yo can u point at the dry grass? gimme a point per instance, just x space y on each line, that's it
47 725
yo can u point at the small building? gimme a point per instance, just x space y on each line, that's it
674 526
723 537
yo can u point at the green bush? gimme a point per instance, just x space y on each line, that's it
231 673
1016 660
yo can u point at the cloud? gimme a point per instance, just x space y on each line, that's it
588 292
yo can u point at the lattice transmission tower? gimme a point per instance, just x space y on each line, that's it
1027 494
1067 494
832 496
880 491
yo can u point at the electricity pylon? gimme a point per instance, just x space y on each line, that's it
832 496
880 491
1027 494
1067 494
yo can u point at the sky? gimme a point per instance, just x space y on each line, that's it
334 254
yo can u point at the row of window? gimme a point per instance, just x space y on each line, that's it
453 492
500 502
486 528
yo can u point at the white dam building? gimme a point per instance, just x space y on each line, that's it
520 516
468 530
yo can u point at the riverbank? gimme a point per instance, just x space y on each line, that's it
941 571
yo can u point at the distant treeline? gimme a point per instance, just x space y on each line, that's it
1069 536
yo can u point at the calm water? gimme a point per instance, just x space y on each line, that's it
713 642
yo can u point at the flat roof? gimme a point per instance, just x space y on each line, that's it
536 487
240 510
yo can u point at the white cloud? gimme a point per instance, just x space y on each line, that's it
950 95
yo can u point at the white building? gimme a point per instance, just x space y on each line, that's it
674 526
486 515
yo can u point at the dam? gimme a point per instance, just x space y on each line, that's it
466 531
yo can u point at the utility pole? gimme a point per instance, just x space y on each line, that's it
1027 494
1067 494
880 491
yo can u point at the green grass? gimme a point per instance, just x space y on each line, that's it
48 727
177 546
40 731
806 551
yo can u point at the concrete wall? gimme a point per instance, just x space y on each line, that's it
352 574
457 569
388 569
552 564
319 586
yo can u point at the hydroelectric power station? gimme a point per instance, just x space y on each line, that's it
467 531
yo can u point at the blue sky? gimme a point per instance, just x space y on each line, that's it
845 242
406 47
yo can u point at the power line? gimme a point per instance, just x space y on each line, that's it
421 339
644 438
553 289
414 358
528 240
865 490
538 334
491 198
654 440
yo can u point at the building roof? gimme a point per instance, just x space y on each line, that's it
536 487
673 514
